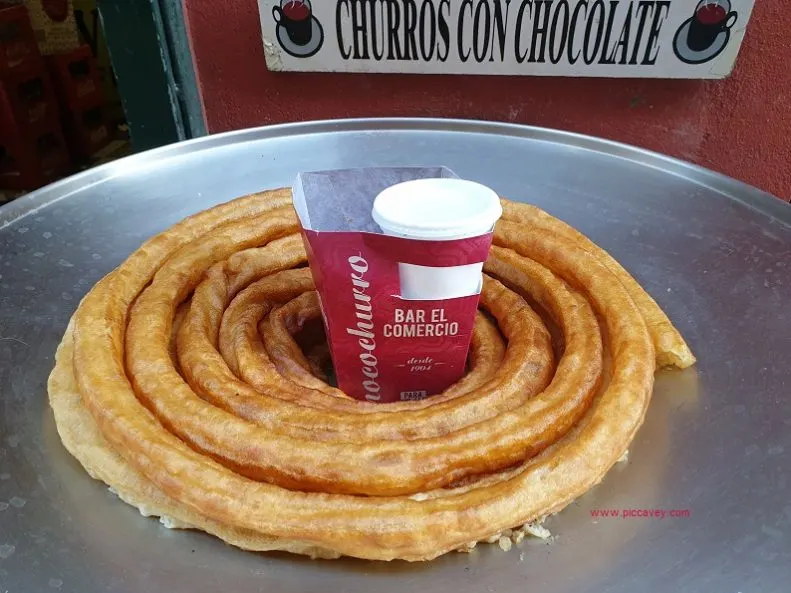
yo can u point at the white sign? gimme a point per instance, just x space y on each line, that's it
615 38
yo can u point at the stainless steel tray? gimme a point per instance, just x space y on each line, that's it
717 442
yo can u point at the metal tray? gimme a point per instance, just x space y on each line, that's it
717 442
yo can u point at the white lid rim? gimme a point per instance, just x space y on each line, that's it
471 229
479 223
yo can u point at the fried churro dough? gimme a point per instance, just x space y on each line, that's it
671 349
487 350
228 430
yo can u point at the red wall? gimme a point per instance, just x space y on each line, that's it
740 126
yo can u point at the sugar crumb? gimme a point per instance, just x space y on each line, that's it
537 529
504 543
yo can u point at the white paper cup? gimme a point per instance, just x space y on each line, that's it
437 210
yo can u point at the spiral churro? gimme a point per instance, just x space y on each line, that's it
181 384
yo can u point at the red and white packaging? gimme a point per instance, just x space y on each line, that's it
396 254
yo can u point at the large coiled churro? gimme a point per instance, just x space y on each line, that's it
180 383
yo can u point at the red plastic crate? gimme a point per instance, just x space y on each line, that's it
18 47
27 164
86 130
75 78
27 101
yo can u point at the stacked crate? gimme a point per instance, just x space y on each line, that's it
32 147
78 88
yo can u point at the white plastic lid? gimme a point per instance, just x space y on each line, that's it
439 209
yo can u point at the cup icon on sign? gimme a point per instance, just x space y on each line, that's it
295 16
711 18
